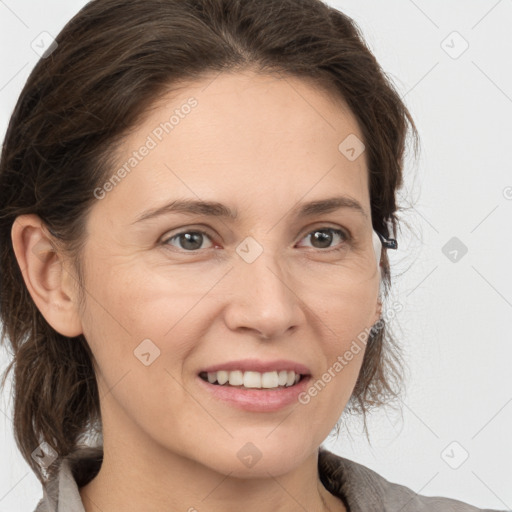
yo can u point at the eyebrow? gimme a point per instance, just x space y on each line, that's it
216 209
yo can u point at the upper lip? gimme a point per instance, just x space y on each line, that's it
257 365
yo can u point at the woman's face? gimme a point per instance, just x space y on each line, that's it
174 295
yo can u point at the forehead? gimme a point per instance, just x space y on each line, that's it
271 139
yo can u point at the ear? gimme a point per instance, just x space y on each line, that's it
378 311
50 283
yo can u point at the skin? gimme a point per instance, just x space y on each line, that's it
260 144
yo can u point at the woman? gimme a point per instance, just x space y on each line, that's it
196 202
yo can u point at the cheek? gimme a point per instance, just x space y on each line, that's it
133 328
345 322
136 301
141 313
125 306
346 311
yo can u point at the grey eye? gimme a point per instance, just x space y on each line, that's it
189 240
323 238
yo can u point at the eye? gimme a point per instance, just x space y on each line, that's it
188 240
192 240
323 237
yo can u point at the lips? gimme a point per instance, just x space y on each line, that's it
250 385
255 365
255 374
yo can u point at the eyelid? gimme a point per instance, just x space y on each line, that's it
324 226
187 229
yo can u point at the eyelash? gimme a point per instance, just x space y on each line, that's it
341 232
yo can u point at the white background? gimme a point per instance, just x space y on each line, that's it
455 323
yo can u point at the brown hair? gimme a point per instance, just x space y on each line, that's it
113 60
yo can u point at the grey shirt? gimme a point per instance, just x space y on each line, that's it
358 487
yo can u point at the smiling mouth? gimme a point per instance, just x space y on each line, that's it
253 380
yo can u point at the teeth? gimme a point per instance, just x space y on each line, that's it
267 380
252 380
222 377
236 378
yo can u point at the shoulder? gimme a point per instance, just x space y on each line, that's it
75 470
41 507
363 489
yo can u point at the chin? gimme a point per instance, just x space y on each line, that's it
257 458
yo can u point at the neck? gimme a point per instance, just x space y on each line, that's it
134 479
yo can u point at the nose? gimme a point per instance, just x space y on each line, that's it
263 300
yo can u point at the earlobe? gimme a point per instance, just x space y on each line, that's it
50 284
378 312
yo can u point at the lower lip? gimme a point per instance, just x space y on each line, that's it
257 400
